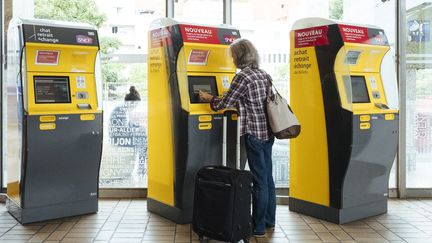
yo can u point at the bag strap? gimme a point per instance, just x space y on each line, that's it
270 87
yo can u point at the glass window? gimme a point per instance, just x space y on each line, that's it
123 27
377 13
199 11
419 93
124 67
267 24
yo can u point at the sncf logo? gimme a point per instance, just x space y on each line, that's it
83 39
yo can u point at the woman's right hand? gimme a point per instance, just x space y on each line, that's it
205 97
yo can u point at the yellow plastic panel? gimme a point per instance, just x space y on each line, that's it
309 172
205 118
369 60
365 118
389 117
160 139
219 58
204 108
13 191
365 125
47 126
204 126
368 66
72 58
87 117
63 108
47 118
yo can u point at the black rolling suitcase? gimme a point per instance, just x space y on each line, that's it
222 201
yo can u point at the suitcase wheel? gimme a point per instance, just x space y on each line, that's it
203 239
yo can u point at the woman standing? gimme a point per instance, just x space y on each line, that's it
248 93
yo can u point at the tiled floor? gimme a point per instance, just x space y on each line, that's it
129 221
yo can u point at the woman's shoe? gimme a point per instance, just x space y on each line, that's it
270 227
259 235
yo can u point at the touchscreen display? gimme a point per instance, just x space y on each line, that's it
51 89
202 87
360 93
203 83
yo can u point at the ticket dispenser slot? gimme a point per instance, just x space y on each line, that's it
197 83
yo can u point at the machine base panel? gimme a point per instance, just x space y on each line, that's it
31 215
178 216
338 216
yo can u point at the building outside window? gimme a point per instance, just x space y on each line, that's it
199 11
419 93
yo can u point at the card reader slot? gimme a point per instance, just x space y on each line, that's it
84 106
382 106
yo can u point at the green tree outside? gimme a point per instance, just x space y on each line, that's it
336 9
70 10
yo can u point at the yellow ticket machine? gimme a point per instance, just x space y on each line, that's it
344 92
53 131
184 133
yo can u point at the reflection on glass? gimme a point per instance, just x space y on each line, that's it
124 158
419 94
12 117
125 38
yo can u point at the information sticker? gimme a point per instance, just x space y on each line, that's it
225 82
80 82
47 57
198 57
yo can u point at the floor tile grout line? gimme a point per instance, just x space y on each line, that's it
148 222
9 229
106 220
66 231
48 232
115 230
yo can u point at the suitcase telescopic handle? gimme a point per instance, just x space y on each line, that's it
230 113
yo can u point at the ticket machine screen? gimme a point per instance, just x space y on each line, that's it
203 83
359 90
52 89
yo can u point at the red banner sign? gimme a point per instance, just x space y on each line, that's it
316 36
200 34
355 34
47 57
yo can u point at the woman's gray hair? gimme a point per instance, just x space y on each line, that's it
244 54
